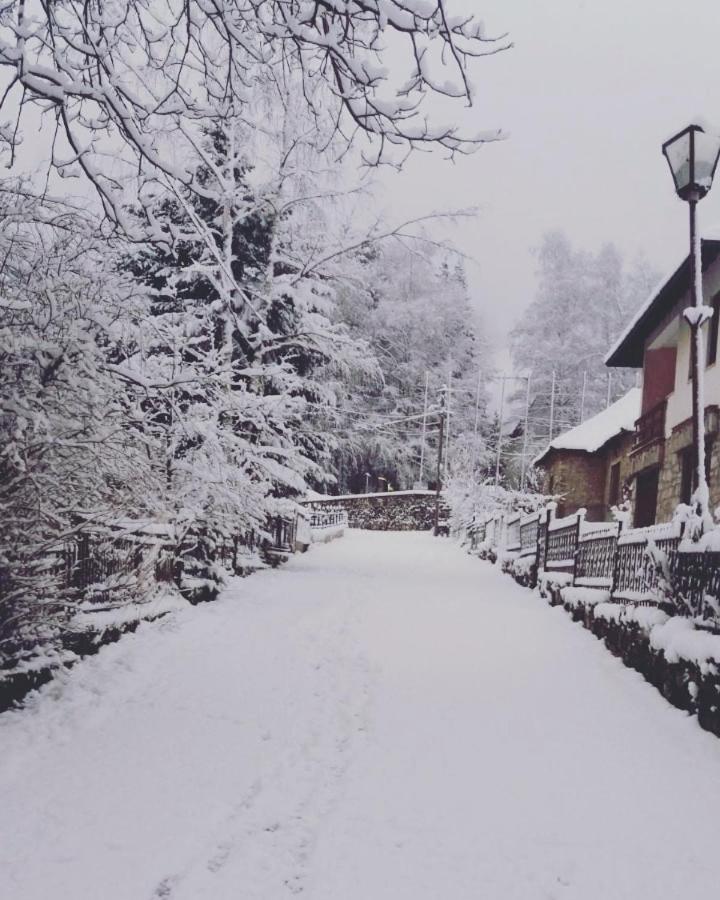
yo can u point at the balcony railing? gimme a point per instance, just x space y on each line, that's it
650 426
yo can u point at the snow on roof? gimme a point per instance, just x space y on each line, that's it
594 433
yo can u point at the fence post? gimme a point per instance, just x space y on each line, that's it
581 513
616 559
548 518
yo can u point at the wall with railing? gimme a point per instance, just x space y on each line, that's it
326 522
651 594
648 566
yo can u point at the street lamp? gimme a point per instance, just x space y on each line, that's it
692 155
367 482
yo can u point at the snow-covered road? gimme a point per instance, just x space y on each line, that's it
383 719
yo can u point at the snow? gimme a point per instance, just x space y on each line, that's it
658 532
584 595
91 618
647 617
566 521
590 531
595 432
679 639
385 718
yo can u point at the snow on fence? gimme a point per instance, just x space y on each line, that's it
561 543
327 523
637 575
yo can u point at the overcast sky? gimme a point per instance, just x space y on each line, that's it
588 94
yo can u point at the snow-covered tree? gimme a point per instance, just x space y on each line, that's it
73 450
130 82
583 302
243 324
417 317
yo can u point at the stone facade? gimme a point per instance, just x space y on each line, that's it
577 479
679 442
583 480
393 511
616 451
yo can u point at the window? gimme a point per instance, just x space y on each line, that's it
712 334
614 492
646 488
686 461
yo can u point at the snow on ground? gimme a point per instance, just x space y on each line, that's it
383 719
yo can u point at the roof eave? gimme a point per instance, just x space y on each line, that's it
628 350
549 450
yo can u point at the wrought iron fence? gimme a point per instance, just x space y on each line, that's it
644 577
562 541
595 556
696 582
328 517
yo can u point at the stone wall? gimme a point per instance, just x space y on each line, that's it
392 511
617 450
690 686
671 471
578 480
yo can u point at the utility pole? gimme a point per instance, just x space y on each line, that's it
477 403
477 417
438 483
525 435
582 397
609 388
500 430
447 419
552 406
367 482
424 428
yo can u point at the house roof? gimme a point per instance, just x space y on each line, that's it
592 434
628 349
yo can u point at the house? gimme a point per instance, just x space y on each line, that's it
588 465
660 464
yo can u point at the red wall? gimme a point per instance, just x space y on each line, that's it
658 376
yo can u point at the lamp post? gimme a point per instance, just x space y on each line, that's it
692 155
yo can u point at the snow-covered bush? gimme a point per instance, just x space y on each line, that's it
550 584
524 570
73 450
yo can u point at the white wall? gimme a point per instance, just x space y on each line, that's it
679 402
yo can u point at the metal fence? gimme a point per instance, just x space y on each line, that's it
640 576
595 556
328 517
641 565
561 543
